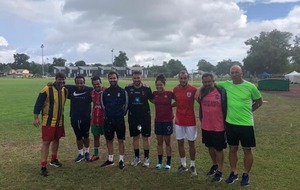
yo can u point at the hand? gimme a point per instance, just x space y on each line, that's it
36 122
198 93
50 84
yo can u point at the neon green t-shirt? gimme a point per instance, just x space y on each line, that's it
239 100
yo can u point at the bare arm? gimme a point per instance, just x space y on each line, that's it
198 93
256 104
36 121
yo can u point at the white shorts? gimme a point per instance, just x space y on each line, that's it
186 132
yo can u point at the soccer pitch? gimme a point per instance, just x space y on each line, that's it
275 158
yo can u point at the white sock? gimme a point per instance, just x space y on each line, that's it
80 151
121 158
111 158
192 163
183 161
87 149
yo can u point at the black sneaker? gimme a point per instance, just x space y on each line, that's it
217 177
44 172
107 163
245 180
212 170
121 164
232 178
55 163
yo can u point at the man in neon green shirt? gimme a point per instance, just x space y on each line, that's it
243 98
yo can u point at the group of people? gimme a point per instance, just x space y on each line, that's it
225 114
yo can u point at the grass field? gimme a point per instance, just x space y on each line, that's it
275 166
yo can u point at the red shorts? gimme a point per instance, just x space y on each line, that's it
50 133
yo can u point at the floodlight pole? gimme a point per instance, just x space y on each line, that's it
112 58
42 46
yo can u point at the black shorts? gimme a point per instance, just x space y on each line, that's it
139 124
214 139
112 125
237 133
81 127
163 128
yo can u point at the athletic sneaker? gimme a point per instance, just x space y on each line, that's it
87 156
181 169
168 167
232 178
193 171
79 158
158 166
217 177
94 158
245 180
44 172
121 164
136 161
212 170
55 163
146 162
107 163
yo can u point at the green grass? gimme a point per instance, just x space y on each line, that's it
276 156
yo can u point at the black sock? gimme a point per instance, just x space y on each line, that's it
137 153
160 159
146 153
168 160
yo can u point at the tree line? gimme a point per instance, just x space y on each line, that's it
274 52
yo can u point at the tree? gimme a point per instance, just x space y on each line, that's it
174 66
136 65
269 52
80 63
157 69
21 61
59 62
223 67
205 66
121 60
295 54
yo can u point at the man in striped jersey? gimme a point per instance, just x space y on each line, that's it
50 102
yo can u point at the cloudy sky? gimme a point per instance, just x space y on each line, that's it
149 31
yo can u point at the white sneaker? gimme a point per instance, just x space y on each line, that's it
136 161
146 162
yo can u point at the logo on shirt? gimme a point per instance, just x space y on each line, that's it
189 94
78 94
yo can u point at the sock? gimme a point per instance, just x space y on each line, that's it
96 151
137 153
80 151
183 161
111 158
44 163
160 159
53 157
146 153
121 157
192 163
169 160
87 150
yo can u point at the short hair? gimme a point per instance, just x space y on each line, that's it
208 75
79 77
112 73
136 72
161 78
94 78
60 75
183 72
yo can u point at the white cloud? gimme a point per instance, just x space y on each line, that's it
3 41
83 47
149 31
